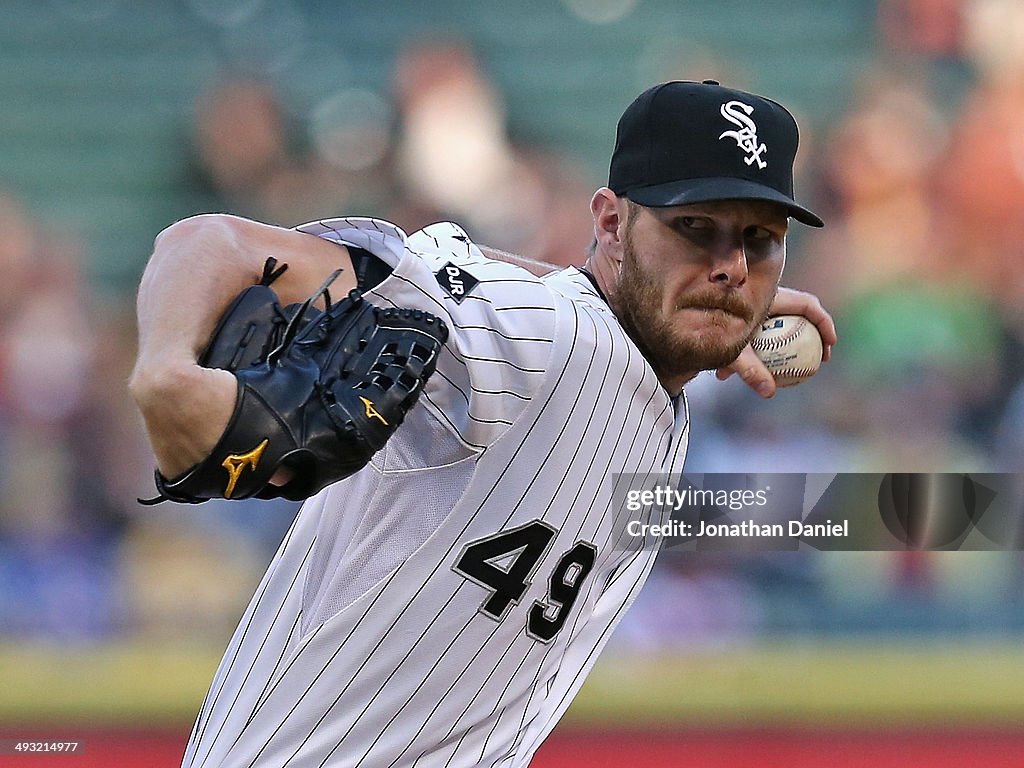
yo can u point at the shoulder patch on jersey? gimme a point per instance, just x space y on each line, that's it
456 281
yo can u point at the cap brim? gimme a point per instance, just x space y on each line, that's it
726 188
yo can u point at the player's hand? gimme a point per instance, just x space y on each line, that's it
787 302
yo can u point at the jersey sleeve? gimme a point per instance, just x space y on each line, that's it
501 321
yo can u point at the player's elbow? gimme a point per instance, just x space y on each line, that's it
202 228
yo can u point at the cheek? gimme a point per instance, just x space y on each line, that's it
770 268
765 276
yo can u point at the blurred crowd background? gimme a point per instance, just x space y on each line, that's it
120 118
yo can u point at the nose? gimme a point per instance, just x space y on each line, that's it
729 264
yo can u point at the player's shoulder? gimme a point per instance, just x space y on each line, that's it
564 307
467 276
572 284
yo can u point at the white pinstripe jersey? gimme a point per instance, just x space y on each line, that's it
443 606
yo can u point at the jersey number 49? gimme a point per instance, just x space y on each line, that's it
506 562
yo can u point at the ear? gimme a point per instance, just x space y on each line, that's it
608 211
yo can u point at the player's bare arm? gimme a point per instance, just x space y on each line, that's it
788 301
197 267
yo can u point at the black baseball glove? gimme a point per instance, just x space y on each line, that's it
319 391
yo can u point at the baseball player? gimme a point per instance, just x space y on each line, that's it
443 605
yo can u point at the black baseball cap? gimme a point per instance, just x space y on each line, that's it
685 142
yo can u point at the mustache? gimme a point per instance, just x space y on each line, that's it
724 301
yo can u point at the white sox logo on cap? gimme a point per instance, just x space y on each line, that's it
738 113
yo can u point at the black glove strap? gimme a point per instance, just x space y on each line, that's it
370 270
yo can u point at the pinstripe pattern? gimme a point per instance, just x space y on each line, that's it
543 400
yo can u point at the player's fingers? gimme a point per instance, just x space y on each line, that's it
789 301
282 476
752 371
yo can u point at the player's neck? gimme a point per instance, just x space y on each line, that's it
605 272
672 382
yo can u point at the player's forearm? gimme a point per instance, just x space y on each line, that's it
195 266
198 266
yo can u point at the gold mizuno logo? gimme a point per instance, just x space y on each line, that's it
371 412
235 463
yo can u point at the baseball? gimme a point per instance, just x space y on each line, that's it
790 347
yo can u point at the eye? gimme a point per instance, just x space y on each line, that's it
764 238
759 234
694 222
